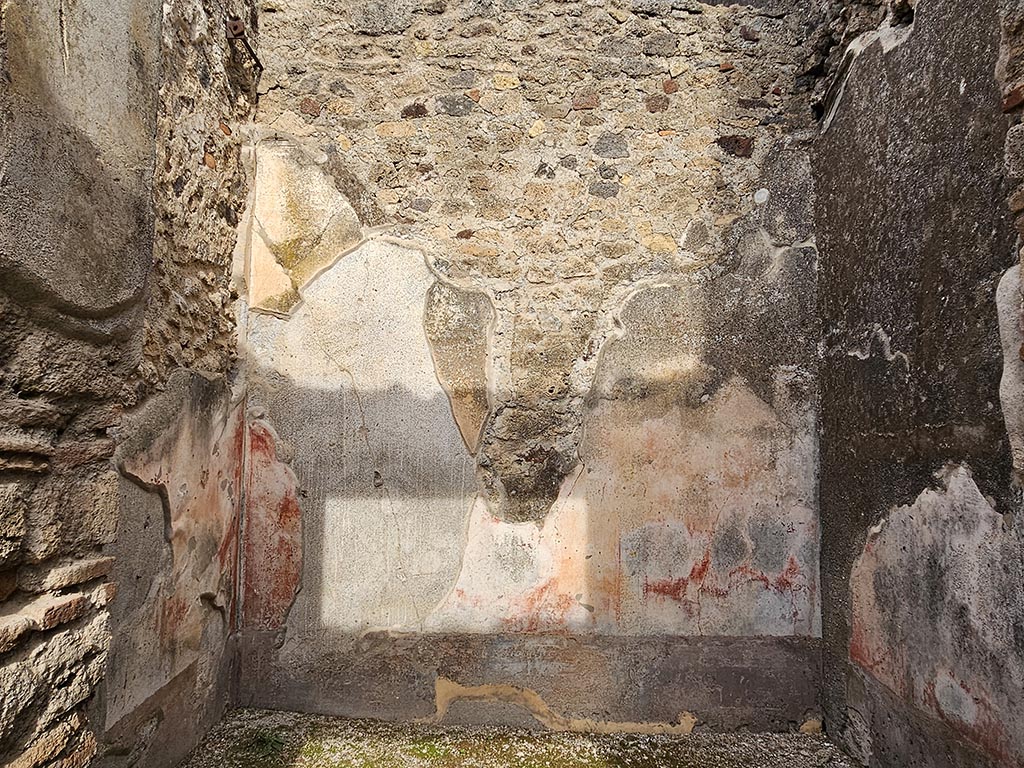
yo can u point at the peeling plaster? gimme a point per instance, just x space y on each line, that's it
1011 387
887 36
936 613
300 223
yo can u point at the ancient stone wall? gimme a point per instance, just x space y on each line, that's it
923 608
531 310
109 608
599 366
76 230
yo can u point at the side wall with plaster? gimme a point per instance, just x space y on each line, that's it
120 441
530 317
922 544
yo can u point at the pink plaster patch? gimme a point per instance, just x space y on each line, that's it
272 548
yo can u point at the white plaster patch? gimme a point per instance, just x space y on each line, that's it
350 382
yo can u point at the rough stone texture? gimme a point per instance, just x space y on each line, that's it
103 107
913 242
207 93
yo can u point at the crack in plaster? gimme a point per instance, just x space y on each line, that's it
885 344
62 23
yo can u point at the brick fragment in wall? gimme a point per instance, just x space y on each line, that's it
76 453
1016 201
80 753
738 146
102 595
67 573
49 611
1013 98
31 412
23 451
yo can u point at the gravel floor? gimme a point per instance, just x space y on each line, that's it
262 739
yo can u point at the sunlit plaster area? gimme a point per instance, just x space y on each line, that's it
512 383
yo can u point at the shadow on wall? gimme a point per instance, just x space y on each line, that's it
689 514
920 549
547 454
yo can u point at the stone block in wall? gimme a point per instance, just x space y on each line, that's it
30 412
1015 152
53 674
69 512
12 629
48 744
23 452
12 523
8 583
80 754
20 687
49 611
68 573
